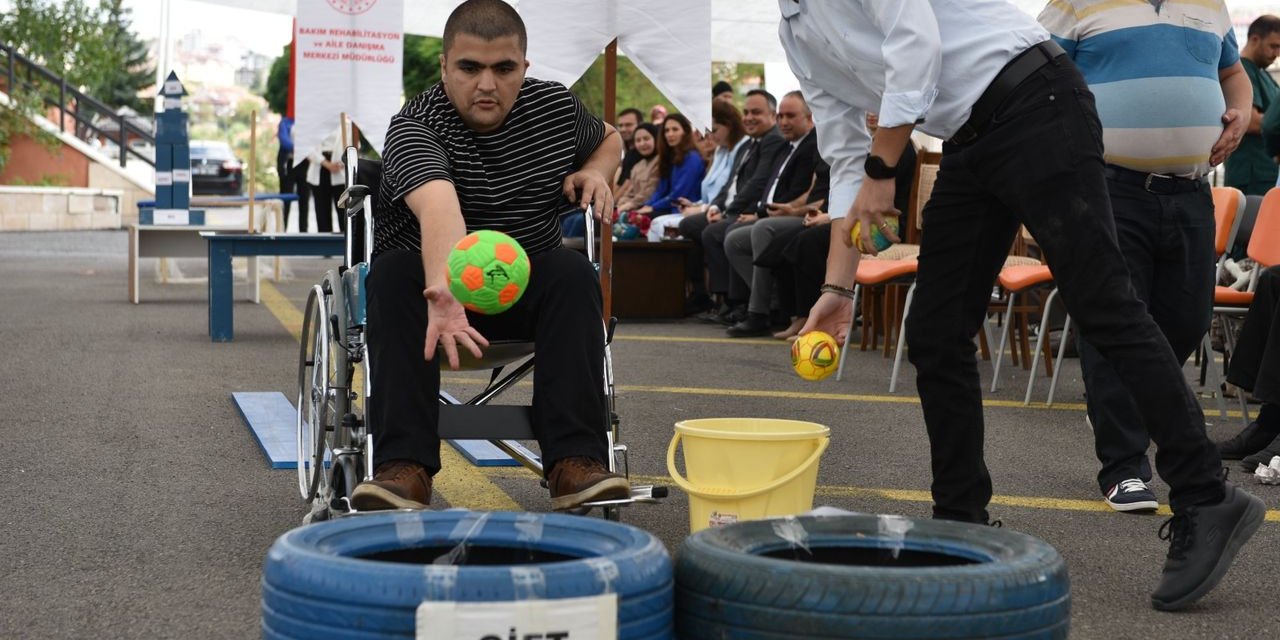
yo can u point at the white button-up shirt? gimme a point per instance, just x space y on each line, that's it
911 61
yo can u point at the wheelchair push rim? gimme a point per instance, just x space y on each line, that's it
314 394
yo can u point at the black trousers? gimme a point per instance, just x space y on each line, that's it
1167 243
560 311
284 169
327 194
303 188
721 277
691 228
1255 364
1038 163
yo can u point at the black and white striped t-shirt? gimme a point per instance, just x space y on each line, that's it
509 180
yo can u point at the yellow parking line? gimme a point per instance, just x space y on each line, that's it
906 495
459 483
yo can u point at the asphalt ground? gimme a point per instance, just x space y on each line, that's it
139 505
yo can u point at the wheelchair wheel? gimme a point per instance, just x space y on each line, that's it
315 395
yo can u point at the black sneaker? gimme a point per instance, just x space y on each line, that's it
1203 541
1131 495
753 326
1246 443
1250 463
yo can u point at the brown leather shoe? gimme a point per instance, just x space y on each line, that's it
398 484
574 481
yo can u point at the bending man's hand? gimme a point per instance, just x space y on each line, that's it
831 315
447 326
587 187
874 201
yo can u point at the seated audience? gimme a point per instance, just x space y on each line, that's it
803 267
644 173
744 189
730 137
627 122
679 168
789 182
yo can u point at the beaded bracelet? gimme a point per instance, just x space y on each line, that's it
838 290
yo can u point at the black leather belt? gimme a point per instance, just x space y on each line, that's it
1013 74
1158 183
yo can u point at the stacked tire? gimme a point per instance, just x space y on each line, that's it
869 577
364 577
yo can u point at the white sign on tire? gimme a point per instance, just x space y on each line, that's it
589 618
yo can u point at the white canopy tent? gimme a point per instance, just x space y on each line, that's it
663 37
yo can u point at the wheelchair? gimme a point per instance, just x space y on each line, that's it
334 443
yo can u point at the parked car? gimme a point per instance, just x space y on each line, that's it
215 170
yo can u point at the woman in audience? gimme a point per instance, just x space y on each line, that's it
644 173
730 136
680 169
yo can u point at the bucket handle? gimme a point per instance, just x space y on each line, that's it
688 487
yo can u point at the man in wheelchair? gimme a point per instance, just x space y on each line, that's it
487 148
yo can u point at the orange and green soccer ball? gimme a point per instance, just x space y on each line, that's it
815 355
877 237
488 271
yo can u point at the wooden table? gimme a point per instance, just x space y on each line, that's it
223 246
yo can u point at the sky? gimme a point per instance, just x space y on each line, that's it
263 32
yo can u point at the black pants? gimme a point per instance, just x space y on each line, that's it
327 194
303 188
560 311
721 278
805 269
1039 163
691 228
1167 243
284 169
1255 364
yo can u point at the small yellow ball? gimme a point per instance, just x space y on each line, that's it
815 355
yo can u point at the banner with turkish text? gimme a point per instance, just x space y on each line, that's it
349 58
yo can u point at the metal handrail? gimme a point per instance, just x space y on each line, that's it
83 102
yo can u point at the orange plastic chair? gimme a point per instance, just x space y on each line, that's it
875 273
1264 248
1228 205
1019 279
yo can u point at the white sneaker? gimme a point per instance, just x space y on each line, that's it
1131 495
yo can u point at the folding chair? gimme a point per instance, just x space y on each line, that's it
1228 205
1231 305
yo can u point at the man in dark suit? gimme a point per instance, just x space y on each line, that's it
790 179
739 195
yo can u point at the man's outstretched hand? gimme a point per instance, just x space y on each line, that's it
830 314
588 187
447 326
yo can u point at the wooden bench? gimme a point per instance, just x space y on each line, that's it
648 277
223 246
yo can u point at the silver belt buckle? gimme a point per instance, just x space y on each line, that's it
1147 183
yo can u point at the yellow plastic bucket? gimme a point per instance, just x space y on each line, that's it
747 468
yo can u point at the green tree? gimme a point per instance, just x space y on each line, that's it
90 44
421 63
277 93
122 85
632 88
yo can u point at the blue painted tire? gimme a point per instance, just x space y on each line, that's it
361 577
741 581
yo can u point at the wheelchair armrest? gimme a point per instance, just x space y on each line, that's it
353 193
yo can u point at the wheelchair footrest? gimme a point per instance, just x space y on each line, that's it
486 422
646 493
